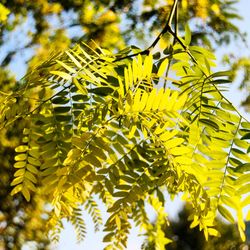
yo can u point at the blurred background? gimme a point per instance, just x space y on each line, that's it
30 31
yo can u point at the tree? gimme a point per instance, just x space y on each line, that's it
20 221
101 20
100 127
183 237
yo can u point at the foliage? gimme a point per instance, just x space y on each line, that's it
112 24
4 12
117 126
183 237
20 222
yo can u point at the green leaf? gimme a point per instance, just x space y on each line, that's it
20 164
243 168
59 100
187 34
229 201
148 65
71 70
115 206
101 91
226 214
174 142
16 189
235 162
240 154
120 194
98 152
246 136
240 143
34 161
128 179
179 151
34 153
21 149
209 123
29 185
221 73
80 87
21 157
245 125
213 232
26 193
17 180
123 187
62 74
74 60
20 172
109 186
163 67
92 160
243 179
246 201
227 106
244 190
108 237
30 176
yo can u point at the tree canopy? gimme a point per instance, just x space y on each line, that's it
128 126
185 238
110 23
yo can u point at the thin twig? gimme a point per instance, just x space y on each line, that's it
167 28
174 41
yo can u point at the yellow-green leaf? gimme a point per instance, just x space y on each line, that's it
163 67
21 149
226 214
4 12
62 74
17 180
174 142
26 193
16 189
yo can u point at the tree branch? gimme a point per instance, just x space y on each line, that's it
167 28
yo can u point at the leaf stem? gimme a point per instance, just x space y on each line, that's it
166 28
229 152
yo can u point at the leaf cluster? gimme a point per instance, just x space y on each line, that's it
117 127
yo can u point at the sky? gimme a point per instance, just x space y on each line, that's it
93 241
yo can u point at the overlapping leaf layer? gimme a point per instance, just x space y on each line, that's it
118 128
